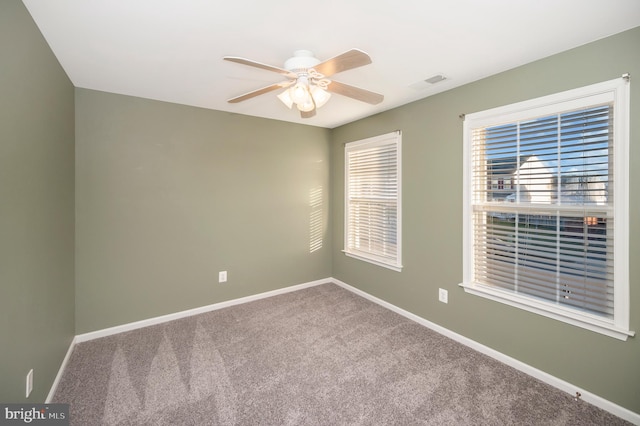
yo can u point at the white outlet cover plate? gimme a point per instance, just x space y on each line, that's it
29 382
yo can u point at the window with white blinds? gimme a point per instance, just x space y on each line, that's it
372 200
546 206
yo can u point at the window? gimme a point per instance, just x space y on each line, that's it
372 204
554 240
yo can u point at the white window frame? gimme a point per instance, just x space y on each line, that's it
393 138
617 92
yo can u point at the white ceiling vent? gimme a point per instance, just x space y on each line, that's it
436 79
423 84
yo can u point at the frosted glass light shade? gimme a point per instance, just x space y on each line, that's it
306 106
320 96
285 97
300 91
306 96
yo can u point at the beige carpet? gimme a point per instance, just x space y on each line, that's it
321 356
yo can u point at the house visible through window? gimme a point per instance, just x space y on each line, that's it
546 203
372 200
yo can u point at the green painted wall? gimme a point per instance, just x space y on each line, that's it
169 195
432 222
36 211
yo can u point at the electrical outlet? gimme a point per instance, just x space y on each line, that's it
222 276
443 295
29 382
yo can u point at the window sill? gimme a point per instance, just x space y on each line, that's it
549 310
375 261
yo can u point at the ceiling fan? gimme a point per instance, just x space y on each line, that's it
308 86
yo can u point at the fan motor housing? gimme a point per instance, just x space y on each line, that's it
302 60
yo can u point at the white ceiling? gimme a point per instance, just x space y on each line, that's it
171 50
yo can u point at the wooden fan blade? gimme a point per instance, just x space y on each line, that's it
259 92
354 58
308 114
262 66
355 93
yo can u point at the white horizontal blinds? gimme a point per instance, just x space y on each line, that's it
586 155
372 197
543 210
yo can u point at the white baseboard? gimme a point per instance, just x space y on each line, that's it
512 362
170 317
587 396
56 381
183 314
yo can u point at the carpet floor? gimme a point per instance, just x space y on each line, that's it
318 356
